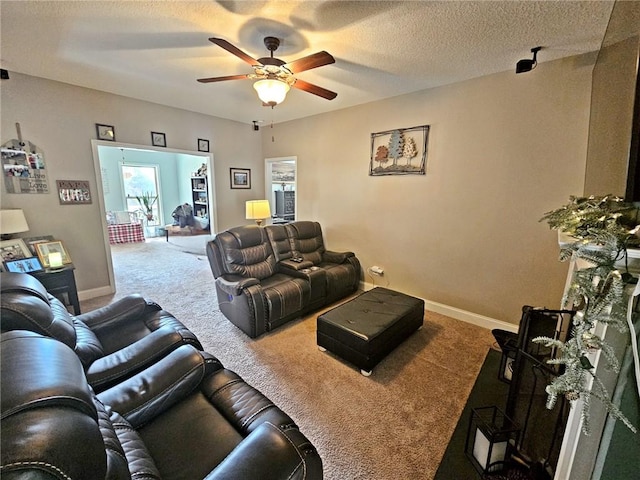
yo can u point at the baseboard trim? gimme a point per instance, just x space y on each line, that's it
459 314
95 292
469 317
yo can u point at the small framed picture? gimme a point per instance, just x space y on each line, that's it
203 145
31 242
52 254
240 177
73 192
158 139
105 132
24 265
14 249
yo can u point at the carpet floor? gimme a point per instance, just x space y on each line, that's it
393 425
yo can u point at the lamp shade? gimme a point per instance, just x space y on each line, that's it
12 221
271 92
257 210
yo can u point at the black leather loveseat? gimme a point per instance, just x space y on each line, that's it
180 416
268 276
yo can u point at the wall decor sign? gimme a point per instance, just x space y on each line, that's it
240 177
203 145
73 192
105 132
23 168
402 151
158 139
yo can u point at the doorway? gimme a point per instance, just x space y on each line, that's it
172 171
281 177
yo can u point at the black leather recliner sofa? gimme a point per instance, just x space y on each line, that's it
266 277
178 414
113 342
185 417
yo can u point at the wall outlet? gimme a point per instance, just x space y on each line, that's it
377 270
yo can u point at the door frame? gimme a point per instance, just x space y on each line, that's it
207 158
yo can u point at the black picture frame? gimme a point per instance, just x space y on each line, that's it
24 265
203 145
158 139
105 132
240 178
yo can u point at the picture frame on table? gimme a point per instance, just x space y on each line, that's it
24 265
203 145
158 139
45 249
105 132
31 242
240 177
14 249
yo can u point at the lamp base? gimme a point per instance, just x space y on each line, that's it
259 222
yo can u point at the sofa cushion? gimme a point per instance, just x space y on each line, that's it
307 240
246 252
26 305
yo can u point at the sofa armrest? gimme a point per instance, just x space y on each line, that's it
285 453
113 368
336 257
118 311
154 390
287 266
234 284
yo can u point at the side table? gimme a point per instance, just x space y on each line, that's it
61 283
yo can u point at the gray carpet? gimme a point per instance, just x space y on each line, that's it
393 425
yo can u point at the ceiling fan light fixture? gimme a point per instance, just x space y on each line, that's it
271 91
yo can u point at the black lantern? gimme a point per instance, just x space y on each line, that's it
491 438
508 343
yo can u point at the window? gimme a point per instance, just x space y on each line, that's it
142 181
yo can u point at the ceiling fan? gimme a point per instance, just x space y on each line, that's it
274 76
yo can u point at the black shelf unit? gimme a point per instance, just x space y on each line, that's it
200 196
286 204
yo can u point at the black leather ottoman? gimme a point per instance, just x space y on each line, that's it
365 329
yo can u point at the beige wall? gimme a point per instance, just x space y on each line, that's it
503 150
60 119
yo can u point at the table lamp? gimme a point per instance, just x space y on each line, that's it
258 210
12 221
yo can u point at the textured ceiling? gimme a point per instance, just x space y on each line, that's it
155 50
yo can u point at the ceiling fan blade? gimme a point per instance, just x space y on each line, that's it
235 50
222 79
315 89
312 61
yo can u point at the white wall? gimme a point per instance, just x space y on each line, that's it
61 118
503 150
